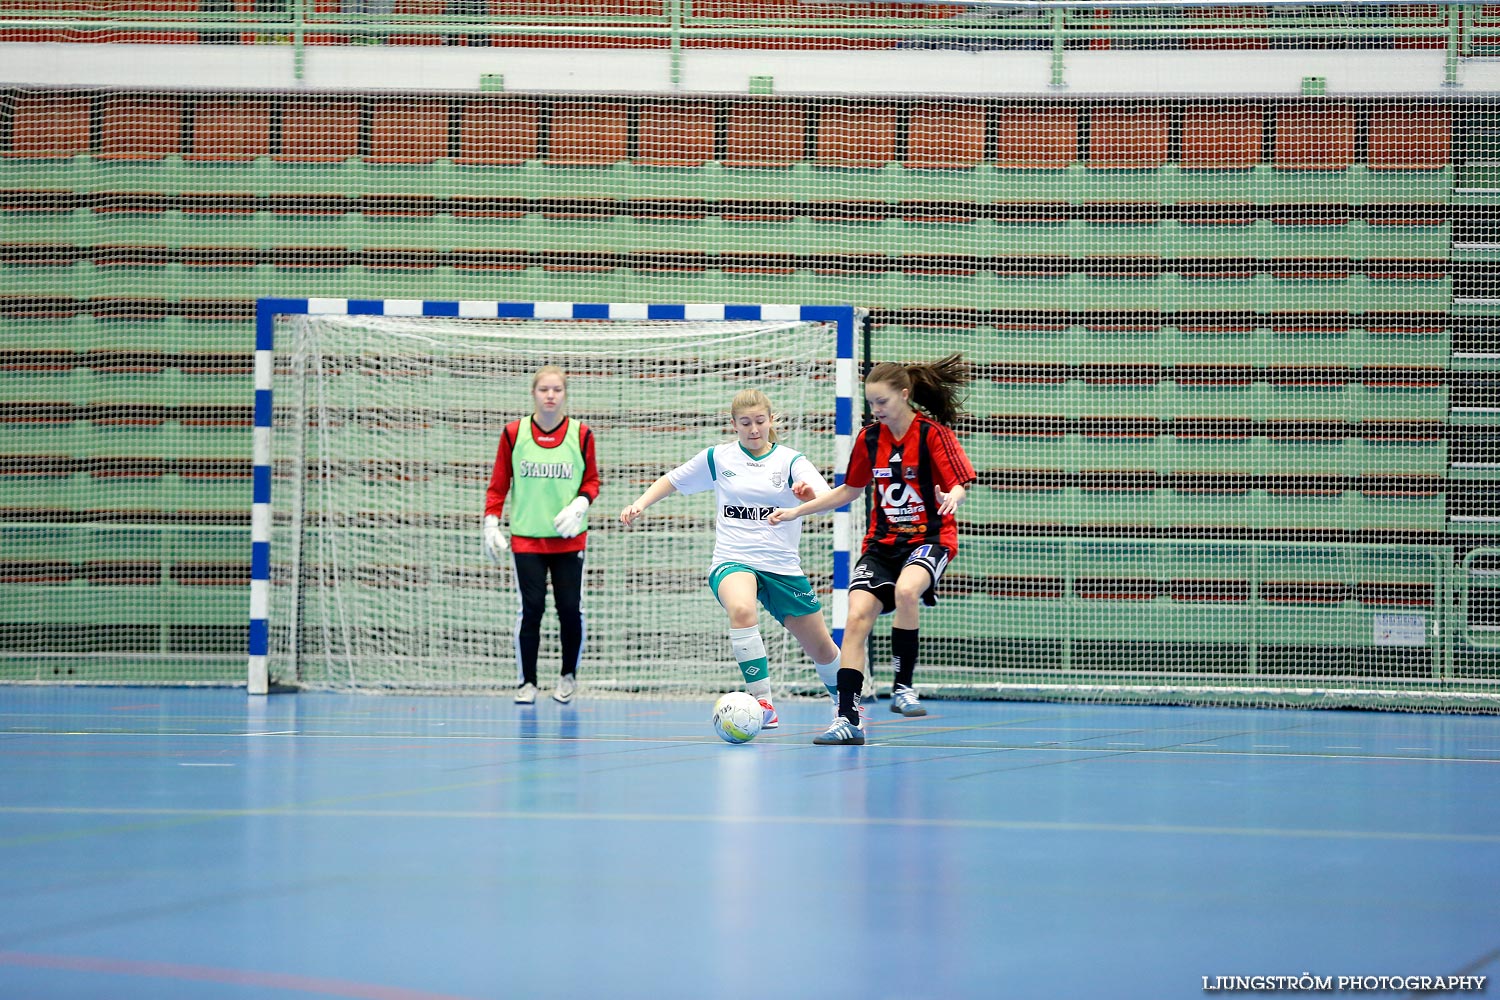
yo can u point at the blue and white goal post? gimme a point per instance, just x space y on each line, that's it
622 350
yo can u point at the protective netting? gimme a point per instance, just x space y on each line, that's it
384 437
1236 415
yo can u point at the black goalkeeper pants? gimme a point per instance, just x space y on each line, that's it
532 570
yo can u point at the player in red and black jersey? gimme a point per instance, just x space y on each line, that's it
921 475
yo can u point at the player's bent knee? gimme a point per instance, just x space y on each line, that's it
742 617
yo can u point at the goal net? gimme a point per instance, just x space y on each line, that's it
384 434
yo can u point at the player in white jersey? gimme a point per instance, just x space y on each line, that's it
755 561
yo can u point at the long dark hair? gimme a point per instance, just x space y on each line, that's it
936 386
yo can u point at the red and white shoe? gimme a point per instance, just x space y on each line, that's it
771 721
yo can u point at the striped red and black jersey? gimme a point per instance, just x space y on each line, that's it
907 475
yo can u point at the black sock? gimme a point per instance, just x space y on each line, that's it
904 654
851 682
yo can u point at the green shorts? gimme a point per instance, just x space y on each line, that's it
783 596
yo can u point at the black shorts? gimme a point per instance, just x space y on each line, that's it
881 565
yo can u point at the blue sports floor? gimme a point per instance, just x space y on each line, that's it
202 845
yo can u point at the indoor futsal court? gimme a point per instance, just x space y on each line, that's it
196 844
418 417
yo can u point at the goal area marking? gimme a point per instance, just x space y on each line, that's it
842 318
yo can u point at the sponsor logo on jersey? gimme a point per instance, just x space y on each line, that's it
546 470
728 473
902 504
881 473
742 512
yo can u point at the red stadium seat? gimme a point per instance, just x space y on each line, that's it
319 130
231 130
855 135
676 134
50 125
765 134
1410 137
948 136
1316 134
498 132
139 128
409 130
1036 137
1128 137
1221 137
588 133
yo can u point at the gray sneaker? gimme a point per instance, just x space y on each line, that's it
526 694
904 701
841 733
567 687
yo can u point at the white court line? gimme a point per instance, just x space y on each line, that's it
1035 826
1185 750
184 764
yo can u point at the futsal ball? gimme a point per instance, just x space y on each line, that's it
737 717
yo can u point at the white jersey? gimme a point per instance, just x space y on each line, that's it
746 490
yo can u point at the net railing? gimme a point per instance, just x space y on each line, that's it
1464 27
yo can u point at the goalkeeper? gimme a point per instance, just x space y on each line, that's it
546 465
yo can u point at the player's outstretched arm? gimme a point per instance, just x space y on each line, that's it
836 497
661 488
948 502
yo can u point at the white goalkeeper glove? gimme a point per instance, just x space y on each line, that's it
495 542
569 520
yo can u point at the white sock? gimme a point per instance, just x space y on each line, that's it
828 673
759 689
750 654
